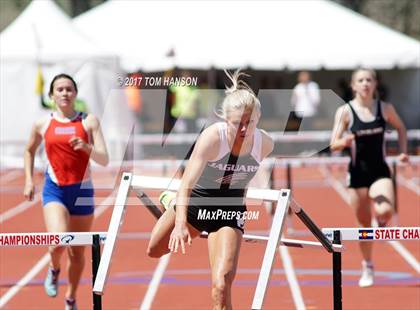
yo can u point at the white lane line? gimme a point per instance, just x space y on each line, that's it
44 261
409 258
409 184
396 245
25 280
291 278
19 208
154 283
10 176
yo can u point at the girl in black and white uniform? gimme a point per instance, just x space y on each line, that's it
225 158
360 125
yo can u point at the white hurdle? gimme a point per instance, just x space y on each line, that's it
114 227
375 233
92 239
281 197
365 234
49 239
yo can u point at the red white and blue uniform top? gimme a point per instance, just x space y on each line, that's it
65 165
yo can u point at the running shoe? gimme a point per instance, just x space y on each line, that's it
70 304
51 282
167 199
367 277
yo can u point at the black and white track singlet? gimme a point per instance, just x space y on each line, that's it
222 185
368 149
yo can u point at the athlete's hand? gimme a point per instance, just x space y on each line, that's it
77 144
347 140
180 234
29 190
403 158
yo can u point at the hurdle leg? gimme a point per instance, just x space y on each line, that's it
312 227
337 283
272 186
395 220
114 227
289 186
149 204
96 258
270 251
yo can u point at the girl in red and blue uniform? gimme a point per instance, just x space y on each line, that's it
71 139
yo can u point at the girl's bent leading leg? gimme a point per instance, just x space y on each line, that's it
159 238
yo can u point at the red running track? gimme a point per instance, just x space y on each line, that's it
186 280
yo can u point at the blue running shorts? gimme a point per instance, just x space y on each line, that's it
68 196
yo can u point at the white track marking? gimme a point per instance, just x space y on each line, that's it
291 278
10 176
25 280
154 283
409 258
19 208
409 184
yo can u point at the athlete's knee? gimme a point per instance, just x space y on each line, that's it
56 250
156 251
384 217
153 252
77 255
385 209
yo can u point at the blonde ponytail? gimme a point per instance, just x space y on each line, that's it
239 96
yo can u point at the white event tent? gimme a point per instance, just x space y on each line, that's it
316 35
269 35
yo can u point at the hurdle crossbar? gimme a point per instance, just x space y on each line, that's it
374 233
92 239
49 239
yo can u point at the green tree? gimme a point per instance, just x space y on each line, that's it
401 15
10 9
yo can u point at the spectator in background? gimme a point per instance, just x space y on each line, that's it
184 106
305 100
133 93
